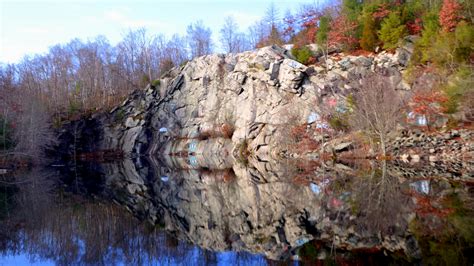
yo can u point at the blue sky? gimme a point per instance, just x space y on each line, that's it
30 27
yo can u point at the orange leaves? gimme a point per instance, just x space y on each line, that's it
428 103
342 32
302 139
382 11
426 206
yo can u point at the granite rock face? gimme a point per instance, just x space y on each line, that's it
252 97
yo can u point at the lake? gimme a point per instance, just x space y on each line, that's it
146 211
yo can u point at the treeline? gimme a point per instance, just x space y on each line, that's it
86 75
93 74
441 67
70 79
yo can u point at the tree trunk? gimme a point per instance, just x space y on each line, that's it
382 145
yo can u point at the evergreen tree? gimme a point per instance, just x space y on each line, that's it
428 37
391 31
352 9
464 34
322 35
369 38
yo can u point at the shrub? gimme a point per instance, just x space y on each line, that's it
74 107
303 55
227 130
156 83
442 51
460 83
339 122
119 115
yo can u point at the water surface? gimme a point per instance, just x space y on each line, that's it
146 212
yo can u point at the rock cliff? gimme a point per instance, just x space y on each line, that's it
250 99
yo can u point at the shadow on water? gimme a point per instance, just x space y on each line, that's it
143 211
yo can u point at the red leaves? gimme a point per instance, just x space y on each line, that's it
449 15
415 27
425 207
307 22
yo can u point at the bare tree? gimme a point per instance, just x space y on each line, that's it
377 108
229 38
176 49
199 39
257 32
272 16
7 84
33 131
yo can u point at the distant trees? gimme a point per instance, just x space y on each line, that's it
82 76
268 30
24 121
94 74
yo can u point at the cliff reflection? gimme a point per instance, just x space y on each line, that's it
226 212
275 208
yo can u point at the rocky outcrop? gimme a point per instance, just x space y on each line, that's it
252 97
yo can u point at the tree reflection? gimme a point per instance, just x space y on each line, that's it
369 208
72 230
379 201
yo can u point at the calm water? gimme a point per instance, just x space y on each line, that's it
145 212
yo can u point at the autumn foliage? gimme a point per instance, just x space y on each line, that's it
342 32
415 27
429 104
449 15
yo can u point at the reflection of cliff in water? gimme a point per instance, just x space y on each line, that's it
274 208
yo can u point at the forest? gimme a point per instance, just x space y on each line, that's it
85 76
